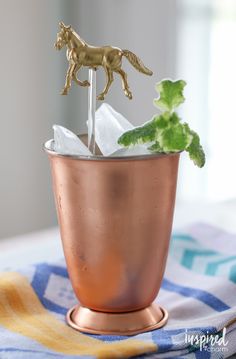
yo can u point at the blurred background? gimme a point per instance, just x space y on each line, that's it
193 40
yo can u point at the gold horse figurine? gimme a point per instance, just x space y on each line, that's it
79 54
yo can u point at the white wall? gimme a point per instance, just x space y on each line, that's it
29 105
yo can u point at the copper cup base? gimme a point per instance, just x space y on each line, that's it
90 321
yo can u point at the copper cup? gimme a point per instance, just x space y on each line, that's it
115 217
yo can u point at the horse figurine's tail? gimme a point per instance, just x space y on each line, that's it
136 62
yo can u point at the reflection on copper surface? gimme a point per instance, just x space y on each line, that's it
130 323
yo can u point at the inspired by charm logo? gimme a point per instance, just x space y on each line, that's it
208 342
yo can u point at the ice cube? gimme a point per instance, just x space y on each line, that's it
109 126
138 150
67 143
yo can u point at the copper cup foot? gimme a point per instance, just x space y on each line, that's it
90 321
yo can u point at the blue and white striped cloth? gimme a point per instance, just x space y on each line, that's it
198 290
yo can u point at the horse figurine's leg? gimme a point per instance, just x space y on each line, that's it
69 75
109 78
75 78
125 84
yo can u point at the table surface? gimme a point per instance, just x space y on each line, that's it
43 246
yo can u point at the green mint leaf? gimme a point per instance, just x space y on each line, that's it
174 138
143 134
155 147
158 129
194 149
171 94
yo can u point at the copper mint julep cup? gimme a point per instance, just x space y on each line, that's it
115 216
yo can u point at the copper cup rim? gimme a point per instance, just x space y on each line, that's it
48 143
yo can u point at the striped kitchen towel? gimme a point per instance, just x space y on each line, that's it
198 290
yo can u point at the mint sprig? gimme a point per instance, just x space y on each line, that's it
171 94
165 132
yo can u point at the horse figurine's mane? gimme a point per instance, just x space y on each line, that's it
78 37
